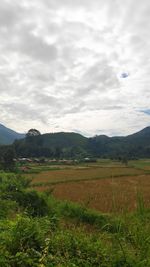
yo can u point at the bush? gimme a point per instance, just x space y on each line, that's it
91 217
7 208
23 242
34 203
13 188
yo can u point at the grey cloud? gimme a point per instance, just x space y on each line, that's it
101 72
72 3
10 13
58 106
35 47
23 111
100 76
41 75
75 108
46 100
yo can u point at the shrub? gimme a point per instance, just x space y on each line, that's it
34 203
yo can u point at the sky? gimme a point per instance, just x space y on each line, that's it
75 65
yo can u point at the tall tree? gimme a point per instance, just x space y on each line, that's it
8 159
32 132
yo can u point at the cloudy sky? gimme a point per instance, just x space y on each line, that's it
75 65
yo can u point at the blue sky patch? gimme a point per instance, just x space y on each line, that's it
146 111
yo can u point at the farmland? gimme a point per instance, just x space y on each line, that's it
106 186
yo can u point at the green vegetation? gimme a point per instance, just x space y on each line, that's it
75 146
57 145
38 230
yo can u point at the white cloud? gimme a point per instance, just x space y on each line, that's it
61 63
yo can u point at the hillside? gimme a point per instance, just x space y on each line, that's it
135 145
72 145
7 136
52 145
63 139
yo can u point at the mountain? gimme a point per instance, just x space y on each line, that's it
134 145
74 145
52 145
8 136
63 139
144 133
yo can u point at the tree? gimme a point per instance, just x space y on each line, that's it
30 136
58 152
33 132
8 160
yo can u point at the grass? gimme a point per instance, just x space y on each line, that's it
142 164
69 234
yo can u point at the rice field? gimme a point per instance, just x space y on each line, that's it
81 173
104 187
107 195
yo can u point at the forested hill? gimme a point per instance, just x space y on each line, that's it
7 136
135 145
52 145
73 145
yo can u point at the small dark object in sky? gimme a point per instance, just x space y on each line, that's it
124 75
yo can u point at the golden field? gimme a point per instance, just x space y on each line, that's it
82 173
107 188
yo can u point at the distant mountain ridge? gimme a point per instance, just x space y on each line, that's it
134 145
8 136
72 145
